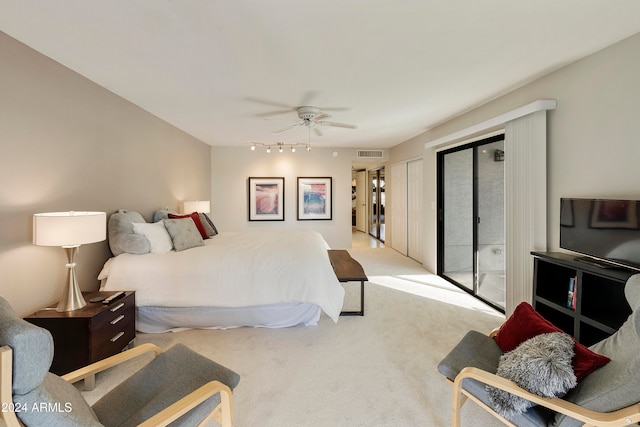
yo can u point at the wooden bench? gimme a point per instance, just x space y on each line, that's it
348 269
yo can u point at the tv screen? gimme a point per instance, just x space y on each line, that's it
603 229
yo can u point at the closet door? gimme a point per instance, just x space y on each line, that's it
399 207
415 209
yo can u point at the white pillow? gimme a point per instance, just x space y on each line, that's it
156 233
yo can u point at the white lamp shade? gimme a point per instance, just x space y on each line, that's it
69 228
196 206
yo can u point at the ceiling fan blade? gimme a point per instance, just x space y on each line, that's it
335 109
339 125
271 103
318 131
275 113
321 116
288 127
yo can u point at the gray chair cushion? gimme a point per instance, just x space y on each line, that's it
480 351
617 384
474 349
43 399
55 403
32 349
167 378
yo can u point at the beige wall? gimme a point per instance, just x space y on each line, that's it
232 166
593 135
68 144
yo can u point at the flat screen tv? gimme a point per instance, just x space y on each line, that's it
603 230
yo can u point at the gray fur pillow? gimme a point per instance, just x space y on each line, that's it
122 238
540 365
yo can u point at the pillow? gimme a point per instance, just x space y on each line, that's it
122 238
207 219
196 220
208 226
525 323
157 235
540 365
161 214
184 233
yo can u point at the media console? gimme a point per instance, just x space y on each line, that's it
599 307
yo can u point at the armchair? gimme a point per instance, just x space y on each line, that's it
609 396
178 386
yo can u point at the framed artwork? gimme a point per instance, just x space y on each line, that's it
266 199
314 198
613 214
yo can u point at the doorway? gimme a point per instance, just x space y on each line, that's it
471 221
360 200
377 203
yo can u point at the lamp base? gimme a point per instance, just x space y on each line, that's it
71 298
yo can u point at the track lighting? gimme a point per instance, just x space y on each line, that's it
281 146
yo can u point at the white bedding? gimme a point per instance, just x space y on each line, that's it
232 270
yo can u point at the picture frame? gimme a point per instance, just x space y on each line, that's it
265 198
315 198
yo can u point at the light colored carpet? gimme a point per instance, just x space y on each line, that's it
376 370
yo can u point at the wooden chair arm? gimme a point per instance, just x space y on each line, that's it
6 392
109 362
193 399
621 417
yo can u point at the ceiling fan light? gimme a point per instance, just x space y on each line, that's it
268 149
293 149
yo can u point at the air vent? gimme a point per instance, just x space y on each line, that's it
370 154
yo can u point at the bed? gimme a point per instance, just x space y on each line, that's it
267 279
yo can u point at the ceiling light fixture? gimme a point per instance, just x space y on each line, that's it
280 146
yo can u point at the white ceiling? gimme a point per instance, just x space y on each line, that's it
217 68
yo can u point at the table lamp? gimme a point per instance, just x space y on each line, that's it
69 230
203 206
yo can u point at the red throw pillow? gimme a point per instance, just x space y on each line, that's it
196 219
526 323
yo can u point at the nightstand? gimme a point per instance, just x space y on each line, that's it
88 334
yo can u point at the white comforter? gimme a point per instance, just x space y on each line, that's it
232 270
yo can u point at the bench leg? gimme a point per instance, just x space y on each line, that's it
357 313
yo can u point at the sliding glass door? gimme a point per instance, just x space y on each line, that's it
471 239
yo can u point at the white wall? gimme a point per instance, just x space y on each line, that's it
69 144
593 147
232 166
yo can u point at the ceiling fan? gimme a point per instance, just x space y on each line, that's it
313 118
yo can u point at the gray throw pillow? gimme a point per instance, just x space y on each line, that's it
540 365
208 226
184 233
122 238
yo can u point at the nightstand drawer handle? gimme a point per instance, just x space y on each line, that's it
117 307
117 337
117 319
